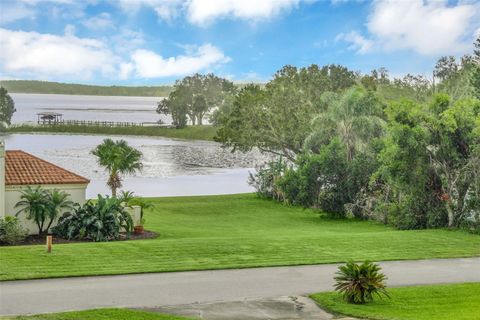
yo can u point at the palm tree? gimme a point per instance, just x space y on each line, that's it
57 202
354 116
34 203
118 158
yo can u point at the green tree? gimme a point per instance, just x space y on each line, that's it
7 108
355 117
278 117
430 161
118 158
195 96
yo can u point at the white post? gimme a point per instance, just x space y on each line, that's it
2 178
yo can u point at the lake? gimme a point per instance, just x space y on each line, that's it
77 107
171 167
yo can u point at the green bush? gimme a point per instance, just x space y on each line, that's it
358 283
11 232
99 220
265 179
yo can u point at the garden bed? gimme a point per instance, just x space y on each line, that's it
41 240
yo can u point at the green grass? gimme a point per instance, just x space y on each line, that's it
100 314
235 231
204 132
439 302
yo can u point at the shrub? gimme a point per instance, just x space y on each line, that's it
358 283
265 179
11 232
99 220
43 206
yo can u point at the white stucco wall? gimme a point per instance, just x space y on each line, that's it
13 193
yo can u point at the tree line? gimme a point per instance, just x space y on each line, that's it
46 87
405 151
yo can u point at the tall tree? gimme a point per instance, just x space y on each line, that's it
195 96
118 158
278 117
355 117
7 108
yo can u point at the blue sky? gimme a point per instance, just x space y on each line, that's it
150 42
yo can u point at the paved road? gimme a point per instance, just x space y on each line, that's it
163 289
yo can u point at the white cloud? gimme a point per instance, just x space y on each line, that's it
100 21
358 42
427 27
203 12
45 55
148 64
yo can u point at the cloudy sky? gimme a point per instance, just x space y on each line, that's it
157 41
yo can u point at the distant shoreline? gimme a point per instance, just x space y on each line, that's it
46 87
203 132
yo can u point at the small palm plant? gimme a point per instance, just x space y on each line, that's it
118 158
57 202
358 283
34 201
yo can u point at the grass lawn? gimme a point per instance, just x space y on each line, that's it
100 314
439 302
204 132
234 231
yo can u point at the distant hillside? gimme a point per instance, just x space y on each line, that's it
32 86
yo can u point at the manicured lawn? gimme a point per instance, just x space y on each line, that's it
235 231
439 302
101 314
204 132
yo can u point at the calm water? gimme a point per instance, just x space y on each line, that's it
171 167
73 107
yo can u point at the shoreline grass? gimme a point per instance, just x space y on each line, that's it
440 302
234 231
204 132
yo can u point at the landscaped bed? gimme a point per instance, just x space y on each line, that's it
234 231
439 302
41 239
100 314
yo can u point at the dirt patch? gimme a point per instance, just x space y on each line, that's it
41 240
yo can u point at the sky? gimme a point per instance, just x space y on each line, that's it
151 42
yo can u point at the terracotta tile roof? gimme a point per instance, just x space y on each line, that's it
22 168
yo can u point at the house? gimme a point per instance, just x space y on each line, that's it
19 169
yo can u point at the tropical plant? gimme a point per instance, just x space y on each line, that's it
355 117
358 283
34 202
143 204
11 231
99 220
126 196
57 202
118 158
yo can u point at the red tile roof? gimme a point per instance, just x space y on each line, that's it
22 168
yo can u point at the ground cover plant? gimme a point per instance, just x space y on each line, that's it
100 314
439 302
235 231
360 283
